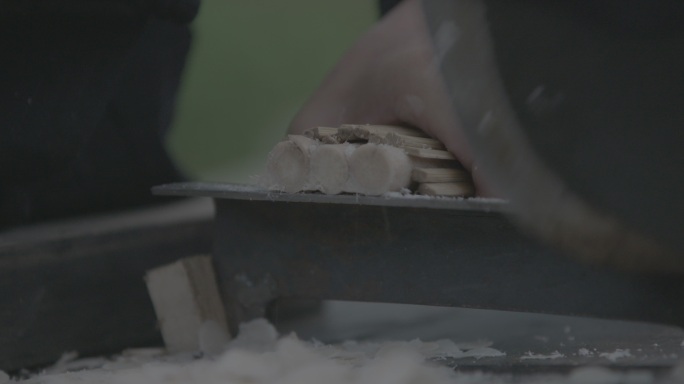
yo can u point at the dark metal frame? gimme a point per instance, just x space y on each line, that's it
445 252
78 285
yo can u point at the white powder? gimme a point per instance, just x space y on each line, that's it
479 353
600 375
533 356
435 350
290 361
259 356
349 149
212 338
615 355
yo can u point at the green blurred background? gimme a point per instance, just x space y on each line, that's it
253 64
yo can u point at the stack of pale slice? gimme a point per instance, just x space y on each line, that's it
366 159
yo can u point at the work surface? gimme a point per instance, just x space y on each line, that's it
532 343
358 343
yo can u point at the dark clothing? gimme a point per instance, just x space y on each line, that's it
87 90
573 111
387 5
598 87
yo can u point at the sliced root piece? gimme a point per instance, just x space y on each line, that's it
347 133
304 143
330 168
439 175
364 131
462 189
288 167
430 154
420 162
377 169
327 135
403 141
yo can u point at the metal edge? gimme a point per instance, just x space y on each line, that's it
249 192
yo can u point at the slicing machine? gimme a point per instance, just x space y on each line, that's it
408 249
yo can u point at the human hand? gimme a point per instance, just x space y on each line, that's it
390 76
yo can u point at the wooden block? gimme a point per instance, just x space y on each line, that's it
439 175
186 300
462 189
430 153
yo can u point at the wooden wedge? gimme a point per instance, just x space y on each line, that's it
403 141
364 131
327 135
462 189
430 153
439 175
186 300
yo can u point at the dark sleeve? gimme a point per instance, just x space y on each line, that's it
88 89
387 5
179 11
573 111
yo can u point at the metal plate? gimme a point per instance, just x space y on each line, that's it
445 252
